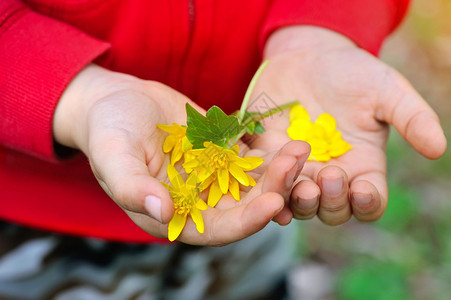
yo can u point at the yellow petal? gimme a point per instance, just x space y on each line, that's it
206 183
234 189
166 185
236 149
186 144
339 148
170 188
251 180
300 130
192 180
174 176
175 129
191 164
335 137
319 157
241 162
169 143
327 122
176 226
205 172
196 215
318 132
208 144
253 161
166 128
201 205
223 179
187 156
299 112
318 146
197 152
215 194
176 154
239 174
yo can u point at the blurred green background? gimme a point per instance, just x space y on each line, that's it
407 254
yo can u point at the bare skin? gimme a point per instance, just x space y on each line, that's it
326 72
112 117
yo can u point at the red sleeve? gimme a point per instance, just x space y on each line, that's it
367 23
38 58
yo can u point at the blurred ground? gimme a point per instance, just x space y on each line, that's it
407 254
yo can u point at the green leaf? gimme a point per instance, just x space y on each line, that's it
250 128
252 123
259 128
216 127
254 127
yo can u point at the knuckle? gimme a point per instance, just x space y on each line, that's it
336 216
302 213
335 220
369 216
124 198
304 216
371 213
335 206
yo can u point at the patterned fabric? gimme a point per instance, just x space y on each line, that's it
40 265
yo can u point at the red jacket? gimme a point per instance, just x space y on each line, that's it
206 49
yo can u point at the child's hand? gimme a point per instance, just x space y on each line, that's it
112 117
328 73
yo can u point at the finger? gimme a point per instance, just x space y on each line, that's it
412 117
279 178
227 226
270 140
280 169
368 194
279 172
282 183
126 179
304 199
334 208
299 149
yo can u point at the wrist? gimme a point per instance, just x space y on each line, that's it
303 39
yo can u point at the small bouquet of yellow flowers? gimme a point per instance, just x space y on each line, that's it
208 151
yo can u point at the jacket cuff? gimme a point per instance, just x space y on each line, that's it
39 57
367 23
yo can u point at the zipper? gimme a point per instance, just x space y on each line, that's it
191 20
191 11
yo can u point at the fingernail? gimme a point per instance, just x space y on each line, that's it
306 203
302 159
362 199
332 187
153 207
290 177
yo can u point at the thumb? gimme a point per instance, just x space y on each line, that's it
126 179
402 106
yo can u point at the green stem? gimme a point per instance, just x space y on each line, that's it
235 139
258 118
275 110
250 89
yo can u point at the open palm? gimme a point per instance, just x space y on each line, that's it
115 126
364 95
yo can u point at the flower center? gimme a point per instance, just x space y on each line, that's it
219 160
184 200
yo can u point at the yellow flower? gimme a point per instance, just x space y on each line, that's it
176 141
186 201
221 169
322 135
